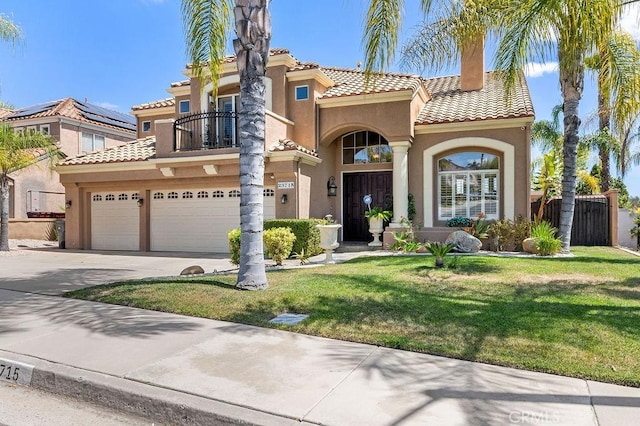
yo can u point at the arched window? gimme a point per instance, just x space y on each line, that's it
365 147
468 185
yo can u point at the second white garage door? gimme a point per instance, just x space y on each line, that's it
198 220
115 221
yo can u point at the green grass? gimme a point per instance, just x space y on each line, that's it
577 316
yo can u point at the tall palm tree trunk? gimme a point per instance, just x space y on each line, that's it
604 122
571 84
253 27
4 215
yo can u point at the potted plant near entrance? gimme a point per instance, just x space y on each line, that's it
376 217
329 237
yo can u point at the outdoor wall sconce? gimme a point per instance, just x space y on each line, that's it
284 199
67 204
332 188
140 202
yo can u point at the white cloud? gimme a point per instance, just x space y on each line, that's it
107 105
631 19
535 69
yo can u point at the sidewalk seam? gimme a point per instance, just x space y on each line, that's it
593 409
330 391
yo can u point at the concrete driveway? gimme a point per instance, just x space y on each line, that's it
54 271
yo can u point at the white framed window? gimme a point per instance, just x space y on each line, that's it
31 130
364 147
468 184
18 130
302 93
146 126
92 142
184 107
45 129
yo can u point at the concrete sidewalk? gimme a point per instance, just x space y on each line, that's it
183 370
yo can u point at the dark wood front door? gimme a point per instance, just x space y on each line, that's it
355 187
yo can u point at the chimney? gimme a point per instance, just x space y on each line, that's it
472 65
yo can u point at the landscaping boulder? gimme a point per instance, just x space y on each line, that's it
464 242
530 246
192 270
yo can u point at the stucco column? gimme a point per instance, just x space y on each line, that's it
400 181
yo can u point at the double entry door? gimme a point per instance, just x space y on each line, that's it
355 187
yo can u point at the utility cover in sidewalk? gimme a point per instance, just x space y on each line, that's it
288 319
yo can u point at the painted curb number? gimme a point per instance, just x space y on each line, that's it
15 372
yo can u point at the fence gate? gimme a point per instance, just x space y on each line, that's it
591 219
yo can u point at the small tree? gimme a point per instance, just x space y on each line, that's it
17 151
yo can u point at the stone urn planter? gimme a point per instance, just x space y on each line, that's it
329 240
376 217
376 227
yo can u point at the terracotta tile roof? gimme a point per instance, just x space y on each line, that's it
81 111
181 83
168 102
232 58
351 82
5 111
138 150
449 104
289 145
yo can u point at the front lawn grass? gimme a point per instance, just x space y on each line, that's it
576 316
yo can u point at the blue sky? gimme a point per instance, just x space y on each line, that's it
120 53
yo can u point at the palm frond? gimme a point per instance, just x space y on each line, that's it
382 26
207 24
9 31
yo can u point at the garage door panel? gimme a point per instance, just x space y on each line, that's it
197 224
115 221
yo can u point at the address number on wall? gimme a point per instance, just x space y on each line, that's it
285 185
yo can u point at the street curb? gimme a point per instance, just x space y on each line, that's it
162 405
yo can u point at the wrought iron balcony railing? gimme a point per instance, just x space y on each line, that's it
205 130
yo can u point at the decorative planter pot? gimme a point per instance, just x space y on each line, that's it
376 227
329 240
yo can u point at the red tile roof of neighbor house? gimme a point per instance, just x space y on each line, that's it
5 111
289 145
80 111
138 150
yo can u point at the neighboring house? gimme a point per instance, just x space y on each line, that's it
80 128
457 143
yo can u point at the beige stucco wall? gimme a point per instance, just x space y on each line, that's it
31 229
35 178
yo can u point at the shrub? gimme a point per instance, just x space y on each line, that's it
521 231
307 235
459 222
278 243
439 251
234 245
509 233
545 235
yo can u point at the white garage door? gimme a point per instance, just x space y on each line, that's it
198 220
115 221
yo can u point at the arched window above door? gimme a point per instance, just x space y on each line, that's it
364 147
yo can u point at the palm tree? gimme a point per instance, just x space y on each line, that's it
207 24
17 151
525 30
617 65
9 32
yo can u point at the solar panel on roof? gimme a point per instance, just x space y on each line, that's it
96 110
34 109
106 120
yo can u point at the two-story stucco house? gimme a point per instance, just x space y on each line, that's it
458 144
79 127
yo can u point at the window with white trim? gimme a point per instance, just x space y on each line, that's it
184 107
365 147
226 127
468 185
92 142
45 129
146 126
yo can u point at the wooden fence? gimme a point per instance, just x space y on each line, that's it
592 219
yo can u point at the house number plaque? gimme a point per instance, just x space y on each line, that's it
285 185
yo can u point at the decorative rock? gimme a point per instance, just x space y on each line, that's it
530 246
192 270
464 242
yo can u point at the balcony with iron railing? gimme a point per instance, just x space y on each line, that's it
206 130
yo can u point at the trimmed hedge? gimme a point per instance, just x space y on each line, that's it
307 235
278 243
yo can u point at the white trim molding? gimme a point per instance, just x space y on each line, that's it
508 170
